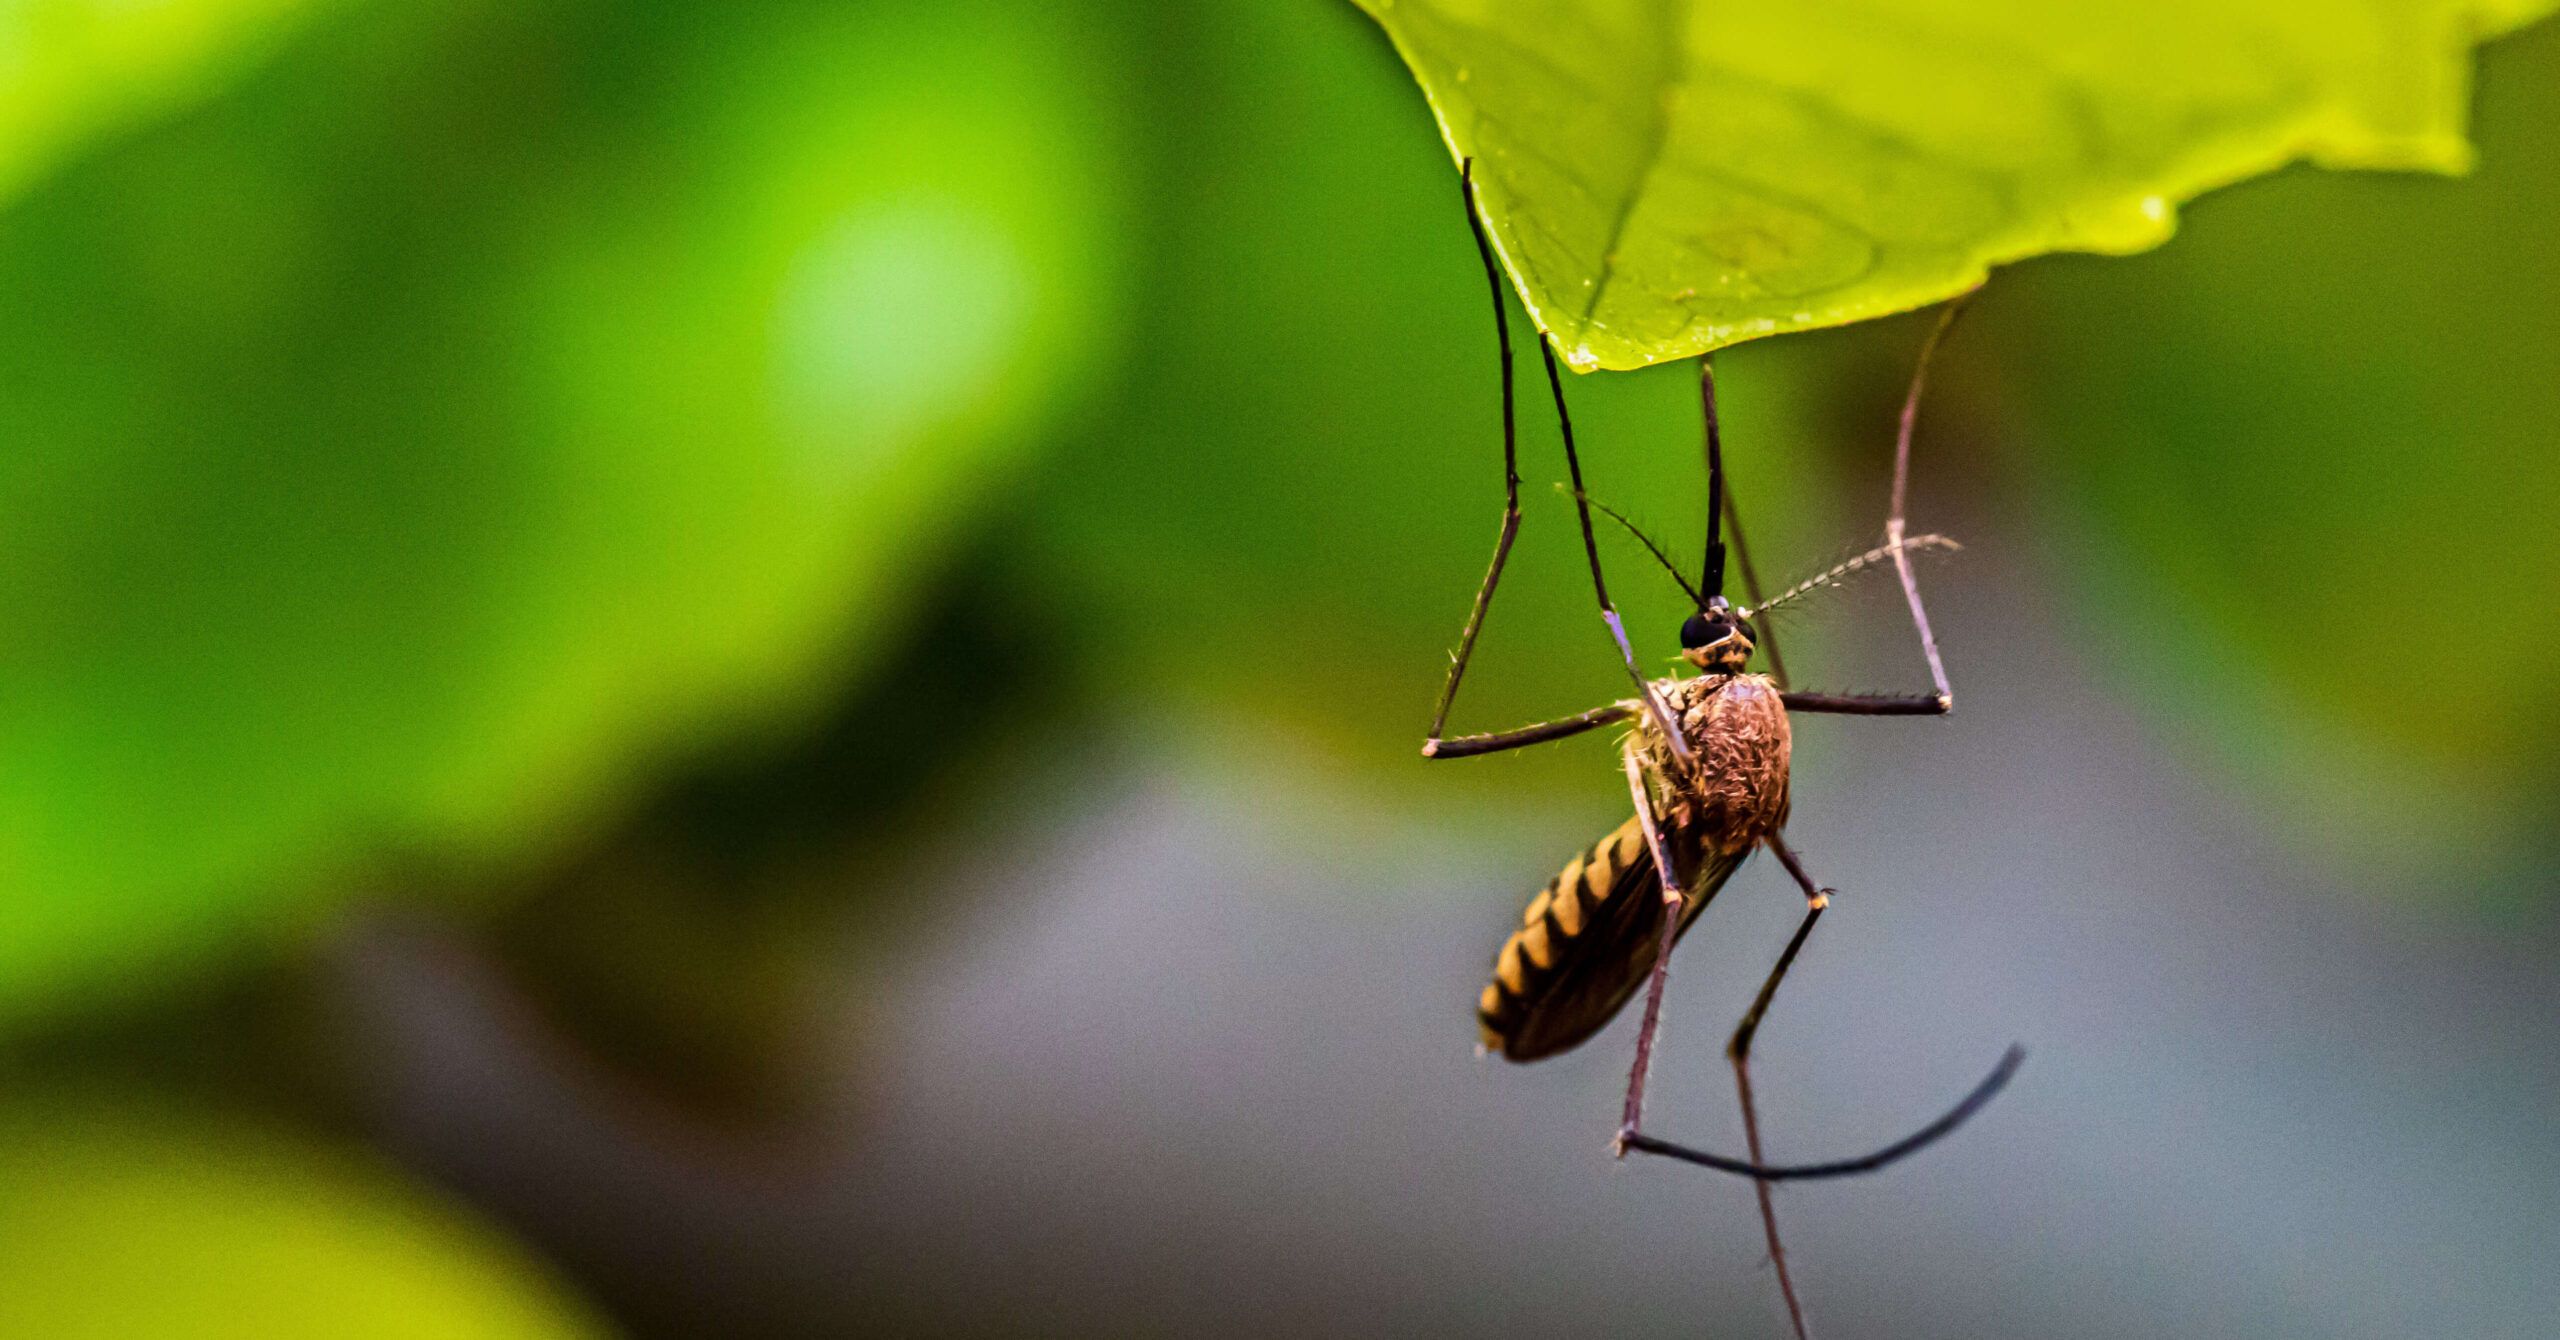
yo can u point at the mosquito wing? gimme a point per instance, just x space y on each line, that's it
1589 938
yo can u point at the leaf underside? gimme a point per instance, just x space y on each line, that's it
1667 177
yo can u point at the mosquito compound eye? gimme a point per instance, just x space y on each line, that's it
1699 631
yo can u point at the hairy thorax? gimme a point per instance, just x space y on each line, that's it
1735 793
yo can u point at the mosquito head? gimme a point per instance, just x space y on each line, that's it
1717 639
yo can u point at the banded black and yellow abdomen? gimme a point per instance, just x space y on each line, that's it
1587 940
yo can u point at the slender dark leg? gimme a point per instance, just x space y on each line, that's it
1631 1128
1899 545
1631 1137
1711 567
1768 637
1893 522
1510 472
1870 704
1886 1157
1631 1121
1739 1050
1720 504
1671 736
1466 745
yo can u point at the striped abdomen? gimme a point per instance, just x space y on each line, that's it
1589 938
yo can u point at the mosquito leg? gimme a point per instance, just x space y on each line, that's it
1897 545
1870 704
1753 1168
1631 1129
1938 1129
1671 736
1721 505
1768 637
1510 470
1631 1122
1893 522
1466 745
1739 1050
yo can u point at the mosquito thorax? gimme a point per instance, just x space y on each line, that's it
1716 639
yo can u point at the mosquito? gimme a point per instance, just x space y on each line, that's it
1706 761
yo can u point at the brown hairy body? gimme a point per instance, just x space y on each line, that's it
1590 937
1736 794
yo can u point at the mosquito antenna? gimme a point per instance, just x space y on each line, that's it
1711 578
1649 547
1842 571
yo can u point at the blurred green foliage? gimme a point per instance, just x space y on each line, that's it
1666 177
481 399
72 71
126 1217
2304 468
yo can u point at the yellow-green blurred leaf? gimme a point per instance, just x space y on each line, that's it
123 1220
74 70
1665 177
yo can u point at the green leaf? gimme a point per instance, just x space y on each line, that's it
480 406
2323 416
73 71
124 1219
1666 177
